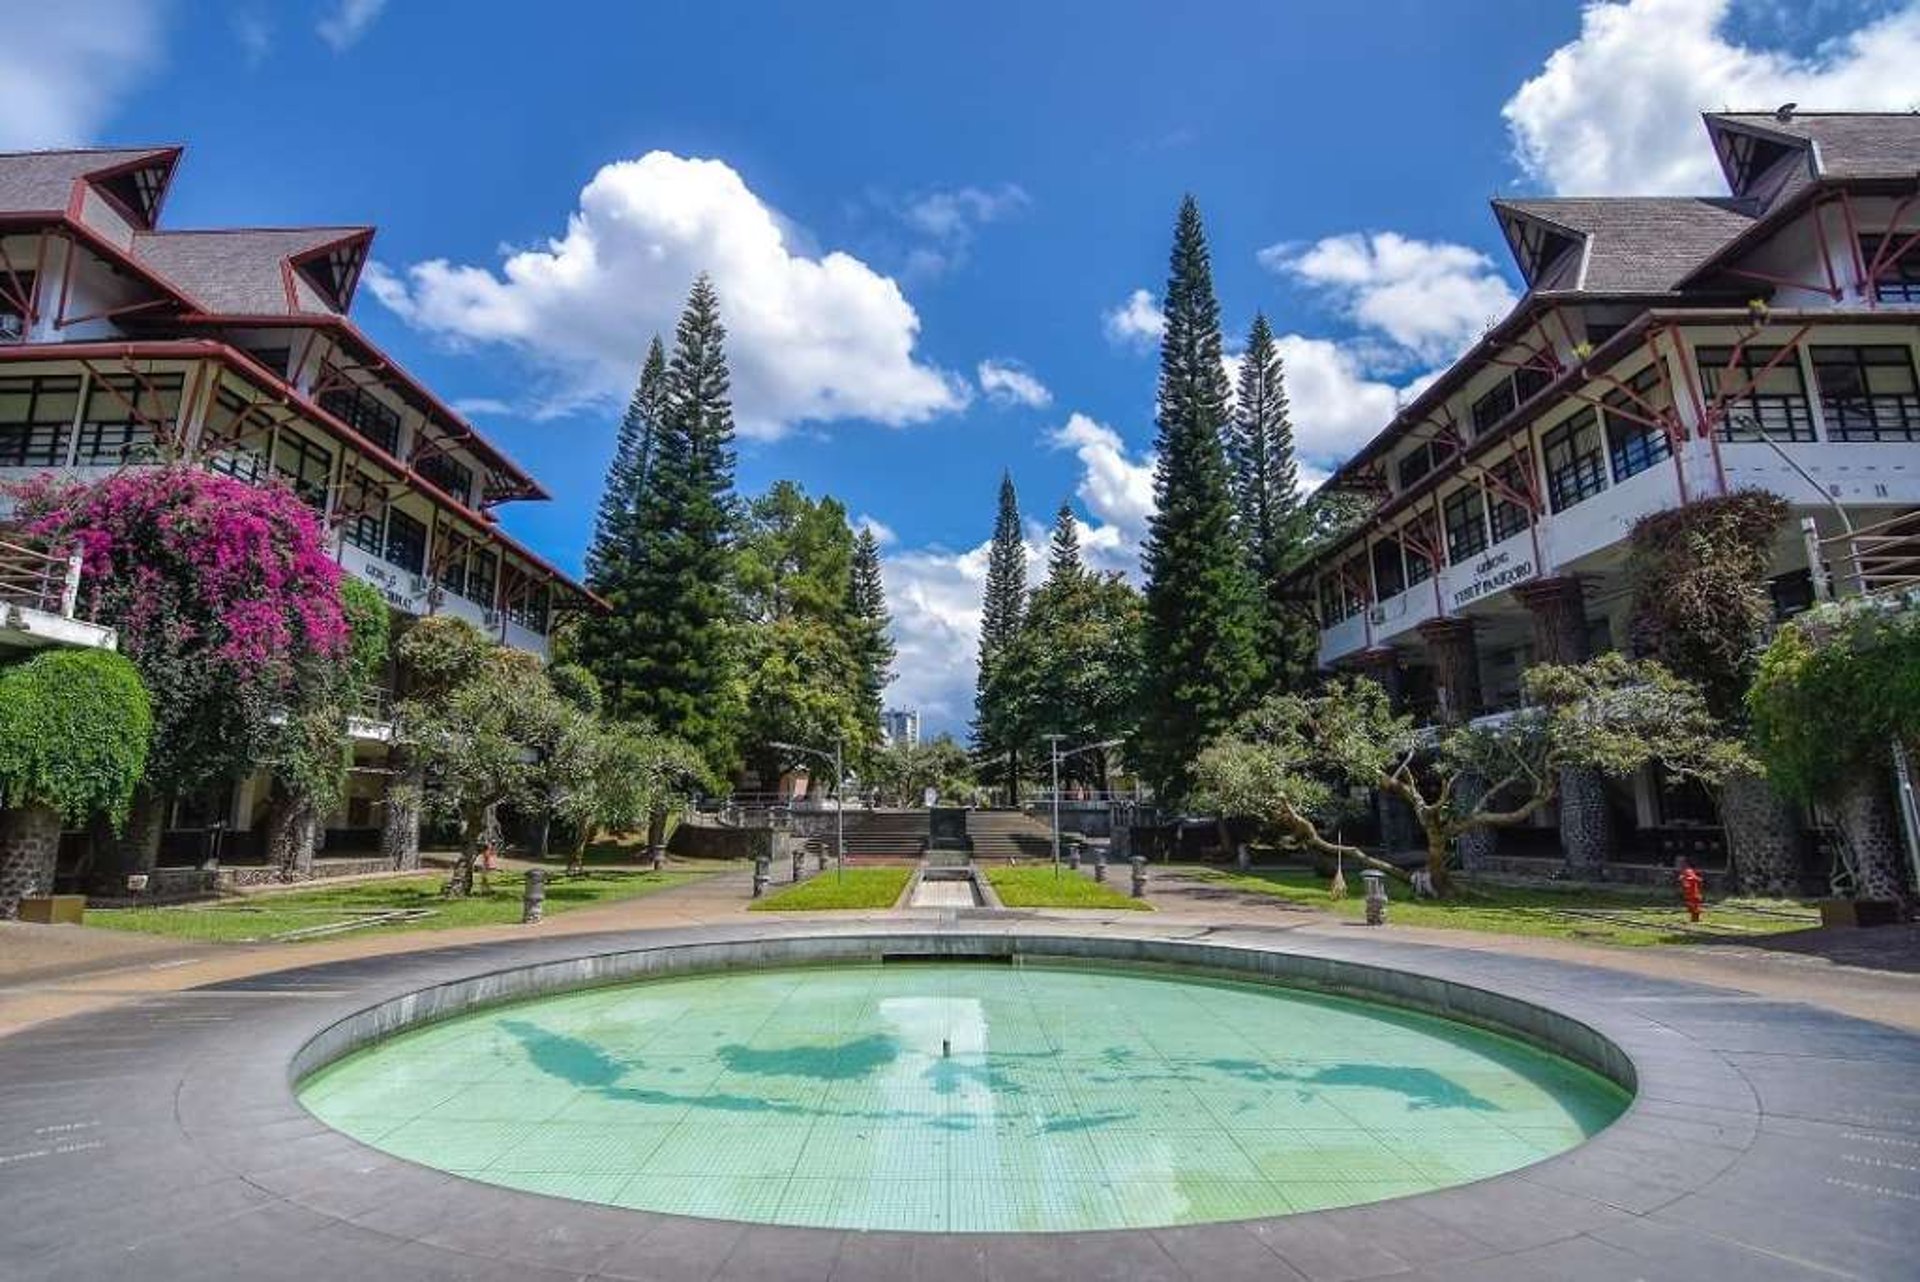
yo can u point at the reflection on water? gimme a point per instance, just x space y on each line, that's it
955 1097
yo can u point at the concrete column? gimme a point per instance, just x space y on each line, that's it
1456 679
1381 664
1559 615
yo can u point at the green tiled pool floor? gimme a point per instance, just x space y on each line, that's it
1063 1099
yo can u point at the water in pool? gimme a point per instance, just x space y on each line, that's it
961 1098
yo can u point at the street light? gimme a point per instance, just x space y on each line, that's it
839 800
1058 757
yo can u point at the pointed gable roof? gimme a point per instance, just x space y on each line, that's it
134 178
261 271
1617 244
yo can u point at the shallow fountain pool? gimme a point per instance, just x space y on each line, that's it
961 1097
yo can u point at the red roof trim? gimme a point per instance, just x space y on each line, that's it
168 157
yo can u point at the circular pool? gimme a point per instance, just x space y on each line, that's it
961 1097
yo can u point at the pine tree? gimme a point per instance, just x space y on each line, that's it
1063 554
1001 607
614 524
1203 662
1266 483
867 606
682 604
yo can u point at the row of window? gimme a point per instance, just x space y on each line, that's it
42 423
471 571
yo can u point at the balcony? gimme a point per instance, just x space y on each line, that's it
40 600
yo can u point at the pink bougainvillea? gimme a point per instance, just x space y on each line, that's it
221 591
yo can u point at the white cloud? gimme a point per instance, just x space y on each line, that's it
348 22
65 68
809 338
1117 489
255 36
1007 383
1335 406
1429 297
1136 323
882 533
475 405
949 220
1615 110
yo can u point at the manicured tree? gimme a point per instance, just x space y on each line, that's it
604 640
1001 604
1203 662
75 727
873 649
1701 607
1063 552
1266 484
680 671
1294 760
1836 689
615 777
222 593
803 686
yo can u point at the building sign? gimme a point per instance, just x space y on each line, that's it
1491 574
393 584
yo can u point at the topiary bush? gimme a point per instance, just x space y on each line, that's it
75 727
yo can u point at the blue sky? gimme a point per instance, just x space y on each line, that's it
929 224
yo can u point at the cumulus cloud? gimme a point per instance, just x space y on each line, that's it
1431 298
1136 323
882 532
1615 110
65 68
1009 383
809 338
1116 487
348 21
948 220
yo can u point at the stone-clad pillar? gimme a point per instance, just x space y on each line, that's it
1456 679
1381 664
1560 636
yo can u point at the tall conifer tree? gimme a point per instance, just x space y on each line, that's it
1063 553
682 677
1000 611
1203 662
1266 482
867 608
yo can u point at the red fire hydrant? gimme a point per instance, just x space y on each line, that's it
1692 889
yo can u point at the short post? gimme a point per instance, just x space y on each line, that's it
1376 882
533 901
70 586
1816 562
762 874
1139 863
1073 854
799 862
659 858
1099 863
821 855
1241 856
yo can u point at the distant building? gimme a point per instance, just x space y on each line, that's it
900 725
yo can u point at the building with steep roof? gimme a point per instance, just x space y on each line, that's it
124 343
1666 349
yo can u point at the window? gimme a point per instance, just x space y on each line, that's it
1425 457
1493 407
1506 517
276 359
1389 575
1466 522
36 420
363 531
406 541
1634 445
452 574
1900 275
307 467
1575 472
365 413
13 319
1868 393
1529 381
119 425
450 476
482 572
1775 402
1338 602
529 609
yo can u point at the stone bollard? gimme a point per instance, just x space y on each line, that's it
1376 882
799 863
1073 855
762 874
821 855
1242 857
1139 863
533 902
659 858
1099 864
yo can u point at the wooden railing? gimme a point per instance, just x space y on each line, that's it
37 579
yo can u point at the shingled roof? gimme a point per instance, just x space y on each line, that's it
1847 144
243 272
1632 244
42 181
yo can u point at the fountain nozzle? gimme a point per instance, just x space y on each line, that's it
946 1048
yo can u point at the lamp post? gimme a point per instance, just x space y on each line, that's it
1053 740
839 799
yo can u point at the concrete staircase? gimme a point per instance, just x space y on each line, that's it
886 836
1008 834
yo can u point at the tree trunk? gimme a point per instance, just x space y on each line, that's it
29 854
292 820
400 825
1437 862
656 833
1763 836
1872 832
472 827
135 849
577 856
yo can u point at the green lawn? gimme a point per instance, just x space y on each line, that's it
268 915
853 888
1048 888
1612 917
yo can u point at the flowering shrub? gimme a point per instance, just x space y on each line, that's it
222 592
